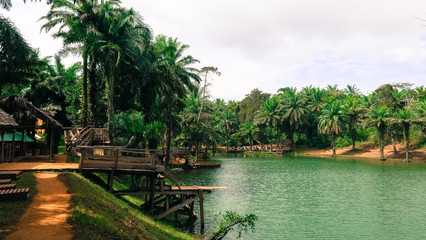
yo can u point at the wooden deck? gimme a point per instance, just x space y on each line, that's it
161 199
36 166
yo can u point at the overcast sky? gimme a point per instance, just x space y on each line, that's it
279 43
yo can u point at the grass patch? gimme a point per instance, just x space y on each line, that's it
12 210
96 214
356 150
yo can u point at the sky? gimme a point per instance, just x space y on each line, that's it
278 43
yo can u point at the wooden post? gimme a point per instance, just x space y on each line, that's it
2 145
201 208
111 176
51 143
152 196
13 144
191 211
22 142
167 202
83 155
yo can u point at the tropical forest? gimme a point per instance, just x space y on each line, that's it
299 163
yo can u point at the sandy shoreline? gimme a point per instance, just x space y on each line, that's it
417 155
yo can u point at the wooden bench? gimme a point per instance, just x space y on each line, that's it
5 181
7 186
10 174
14 194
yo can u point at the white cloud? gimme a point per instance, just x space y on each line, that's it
278 43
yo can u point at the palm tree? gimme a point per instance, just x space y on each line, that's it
294 109
228 121
406 117
174 76
124 37
268 114
249 130
353 110
332 121
17 59
379 117
352 90
79 23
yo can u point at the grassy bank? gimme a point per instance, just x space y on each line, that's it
11 211
96 214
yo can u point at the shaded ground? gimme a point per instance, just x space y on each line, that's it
46 216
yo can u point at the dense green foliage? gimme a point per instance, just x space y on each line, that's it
96 214
146 90
11 211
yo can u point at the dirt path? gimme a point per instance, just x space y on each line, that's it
46 216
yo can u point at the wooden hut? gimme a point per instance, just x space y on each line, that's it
13 104
6 122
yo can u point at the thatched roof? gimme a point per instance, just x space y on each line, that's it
6 119
15 103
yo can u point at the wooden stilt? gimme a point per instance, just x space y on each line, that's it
191 211
13 144
111 181
52 134
2 145
201 208
22 142
179 206
114 168
152 195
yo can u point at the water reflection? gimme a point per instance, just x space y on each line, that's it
298 198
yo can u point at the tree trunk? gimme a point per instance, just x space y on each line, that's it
196 152
92 89
110 100
393 143
334 144
407 140
168 132
353 138
382 155
84 114
227 140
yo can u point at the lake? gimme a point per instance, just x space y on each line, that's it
315 198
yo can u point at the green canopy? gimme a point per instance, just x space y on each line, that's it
8 137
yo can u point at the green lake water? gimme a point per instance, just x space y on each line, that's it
316 198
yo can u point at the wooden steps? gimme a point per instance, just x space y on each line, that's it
5 181
14 194
8 191
7 186
10 174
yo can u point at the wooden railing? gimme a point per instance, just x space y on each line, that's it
107 157
116 158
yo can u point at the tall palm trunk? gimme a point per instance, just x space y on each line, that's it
393 143
227 139
381 147
168 131
84 115
92 89
407 139
334 144
110 99
353 135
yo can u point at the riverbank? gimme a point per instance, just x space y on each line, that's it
363 153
